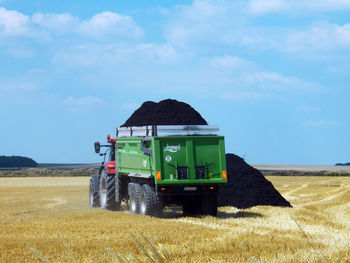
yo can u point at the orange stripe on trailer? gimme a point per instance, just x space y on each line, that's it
224 175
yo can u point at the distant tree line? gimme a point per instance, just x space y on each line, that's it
342 164
17 161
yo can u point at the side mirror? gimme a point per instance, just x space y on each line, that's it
97 147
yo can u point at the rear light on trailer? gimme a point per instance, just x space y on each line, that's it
224 175
168 189
208 188
158 175
111 166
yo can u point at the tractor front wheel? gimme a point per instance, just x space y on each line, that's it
93 197
107 192
94 194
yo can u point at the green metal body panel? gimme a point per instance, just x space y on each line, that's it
130 158
169 152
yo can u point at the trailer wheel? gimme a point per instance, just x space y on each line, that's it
209 205
94 196
150 204
107 192
135 190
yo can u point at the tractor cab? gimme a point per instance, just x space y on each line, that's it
108 163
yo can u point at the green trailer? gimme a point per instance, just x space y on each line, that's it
157 166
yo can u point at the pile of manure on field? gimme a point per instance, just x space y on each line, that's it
246 186
166 112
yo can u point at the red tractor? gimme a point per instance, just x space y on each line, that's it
103 183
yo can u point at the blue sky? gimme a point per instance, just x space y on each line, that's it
273 74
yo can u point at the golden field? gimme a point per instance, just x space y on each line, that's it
48 220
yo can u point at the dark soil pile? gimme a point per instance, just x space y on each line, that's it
165 112
247 187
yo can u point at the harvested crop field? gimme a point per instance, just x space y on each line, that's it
48 220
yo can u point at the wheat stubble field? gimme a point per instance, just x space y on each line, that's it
48 220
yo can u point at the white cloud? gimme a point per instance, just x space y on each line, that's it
100 56
162 53
276 81
250 84
201 27
202 10
230 62
261 7
325 5
321 124
261 77
207 26
109 25
13 23
202 21
321 36
267 6
102 26
60 23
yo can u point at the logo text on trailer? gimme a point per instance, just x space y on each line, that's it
172 148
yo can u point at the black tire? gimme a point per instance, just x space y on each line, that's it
134 199
107 192
209 205
118 195
94 196
150 204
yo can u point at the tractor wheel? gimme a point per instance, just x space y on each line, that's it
135 190
94 196
118 195
209 205
107 192
150 204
